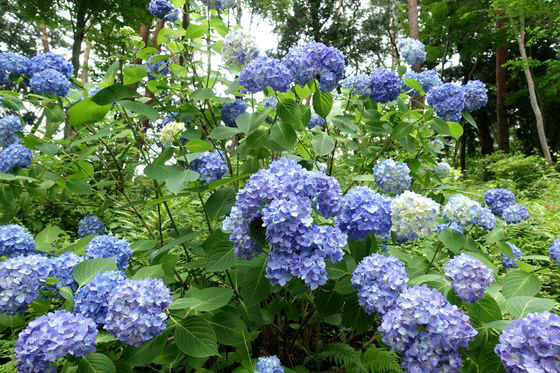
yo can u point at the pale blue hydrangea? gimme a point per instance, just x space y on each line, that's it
230 112
92 299
515 214
447 100
469 277
269 364
135 311
108 246
499 199
14 156
413 215
451 225
412 51
52 336
554 251
476 95
379 280
63 268
442 170
163 9
21 277
239 48
531 345
263 72
363 212
50 61
270 101
301 64
315 121
210 165
385 85
359 84
90 225
157 66
9 127
392 177
12 63
424 357
429 79
437 145
462 210
486 219
509 262
15 240
50 82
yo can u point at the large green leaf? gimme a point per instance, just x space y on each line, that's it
140 108
179 179
484 311
207 299
283 134
197 145
147 352
455 130
521 306
47 237
453 240
134 73
229 328
220 252
87 112
322 143
322 103
223 133
220 202
519 283
289 111
96 363
112 94
254 284
86 270
196 337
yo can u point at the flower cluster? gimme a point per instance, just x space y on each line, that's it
50 82
269 364
392 177
469 277
509 262
63 268
270 101
170 132
515 214
461 210
135 310
90 225
427 79
108 246
476 95
427 329
157 65
359 84
451 225
315 121
91 300
363 212
412 51
301 63
163 9
442 170
14 156
52 336
264 72
12 63
499 199
15 240
20 280
239 48
531 344
413 215
210 165
379 280
554 251
384 85
447 100
9 126
50 61
486 219
231 111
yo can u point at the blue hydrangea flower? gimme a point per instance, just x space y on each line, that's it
270 101
20 280
469 277
412 51
263 72
331 66
461 210
447 100
50 61
428 79
9 127
392 177
15 240
239 48
508 262
232 110
108 246
385 85
413 215
135 312
12 63
158 67
163 9
302 65
90 225
92 299
476 95
554 251
532 344
424 357
50 82
52 336
499 199
14 156
486 219
406 89
451 225
379 280
315 121
63 269
269 364
442 170
210 165
359 84
363 212
515 214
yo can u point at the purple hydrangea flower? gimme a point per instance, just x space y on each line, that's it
63 269
509 262
210 165
263 72
108 246
461 210
469 277
163 9
269 364
413 215
12 63
90 225
52 336
92 299
135 312
302 65
392 177
486 219
232 110
412 51
442 170
50 82
9 127
476 95
499 199
385 85
448 100
359 84
50 61
14 156
15 240
239 48
315 121
514 214
554 251
379 280
424 357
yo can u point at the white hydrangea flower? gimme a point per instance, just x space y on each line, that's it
170 132
239 48
462 210
413 215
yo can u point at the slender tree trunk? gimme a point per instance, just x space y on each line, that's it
85 66
501 90
159 26
484 136
79 35
44 36
413 28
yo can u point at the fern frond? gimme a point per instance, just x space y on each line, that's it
377 360
343 355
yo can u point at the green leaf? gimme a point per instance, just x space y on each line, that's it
485 310
140 108
453 240
14 321
254 285
230 329
224 133
220 252
198 146
78 187
87 112
86 270
196 337
47 237
202 94
412 83
283 134
147 352
49 149
113 94
328 301
521 306
155 271
468 117
455 130
322 103
196 31
220 203
322 143
353 316
289 111
345 124
179 179
96 363
519 283
432 277
207 299
134 73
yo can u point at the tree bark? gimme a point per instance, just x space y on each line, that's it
484 136
79 35
44 36
85 66
413 28
501 90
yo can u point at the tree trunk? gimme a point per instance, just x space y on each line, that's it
501 90
79 35
484 136
44 36
85 65
520 35
413 29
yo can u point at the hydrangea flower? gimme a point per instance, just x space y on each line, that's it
392 177
461 210
158 67
14 156
15 240
363 212
412 51
232 110
108 246
413 215
50 61
270 101
92 299
428 79
50 82
508 262
499 199
448 100
486 219
20 280
63 269
239 48
315 121
515 214
469 277
302 65
210 165
379 280
554 251
269 364
476 95
263 72
424 357
52 336
135 312
90 225
385 85
451 225
170 132
532 344
405 87
9 126
359 84
163 9
12 63
442 170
